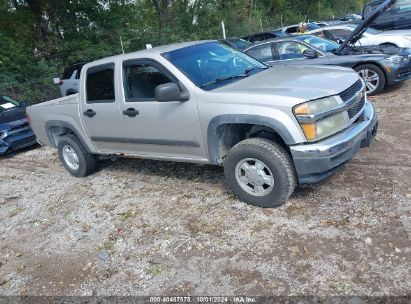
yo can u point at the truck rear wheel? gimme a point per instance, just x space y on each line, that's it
260 172
75 157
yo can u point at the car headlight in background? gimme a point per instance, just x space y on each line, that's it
309 115
397 59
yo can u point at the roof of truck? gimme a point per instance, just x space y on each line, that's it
156 50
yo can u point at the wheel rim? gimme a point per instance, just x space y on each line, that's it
71 158
254 177
371 79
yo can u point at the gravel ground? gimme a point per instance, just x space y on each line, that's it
141 227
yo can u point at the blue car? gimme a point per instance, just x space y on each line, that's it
15 131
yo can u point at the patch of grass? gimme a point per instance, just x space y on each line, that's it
109 245
15 211
157 270
126 215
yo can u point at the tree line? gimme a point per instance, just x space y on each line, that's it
38 38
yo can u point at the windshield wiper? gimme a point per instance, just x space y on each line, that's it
243 75
220 80
248 71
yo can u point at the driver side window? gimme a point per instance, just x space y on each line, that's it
288 50
141 80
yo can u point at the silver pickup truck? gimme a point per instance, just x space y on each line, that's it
205 102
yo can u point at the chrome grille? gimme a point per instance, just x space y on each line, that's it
351 91
349 94
354 110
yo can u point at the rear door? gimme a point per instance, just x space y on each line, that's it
101 110
159 129
402 17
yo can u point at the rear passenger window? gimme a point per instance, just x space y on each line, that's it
141 80
100 84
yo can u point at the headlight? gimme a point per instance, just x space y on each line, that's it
2 135
315 127
397 59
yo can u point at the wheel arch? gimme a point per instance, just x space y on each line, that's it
376 64
225 131
56 128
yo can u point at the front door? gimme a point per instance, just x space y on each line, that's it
158 129
292 52
100 109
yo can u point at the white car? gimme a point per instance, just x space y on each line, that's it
340 32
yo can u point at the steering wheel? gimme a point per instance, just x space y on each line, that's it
238 62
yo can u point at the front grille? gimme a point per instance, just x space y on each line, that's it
351 91
22 126
354 110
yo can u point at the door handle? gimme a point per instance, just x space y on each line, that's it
131 112
90 113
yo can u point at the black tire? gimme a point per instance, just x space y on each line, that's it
86 161
278 161
377 70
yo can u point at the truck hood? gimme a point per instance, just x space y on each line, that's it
302 82
365 24
12 118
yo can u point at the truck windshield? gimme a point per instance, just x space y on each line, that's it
7 103
211 65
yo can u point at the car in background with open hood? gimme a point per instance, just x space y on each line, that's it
15 131
379 66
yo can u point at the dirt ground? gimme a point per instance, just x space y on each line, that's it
142 227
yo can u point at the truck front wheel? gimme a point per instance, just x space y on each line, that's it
75 157
260 172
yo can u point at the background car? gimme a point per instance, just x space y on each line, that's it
371 36
15 131
378 70
293 29
69 83
237 43
398 16
264 36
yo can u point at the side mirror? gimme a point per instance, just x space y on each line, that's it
56 80
23 104
170 92
311 54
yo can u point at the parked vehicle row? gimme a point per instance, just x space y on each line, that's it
382 59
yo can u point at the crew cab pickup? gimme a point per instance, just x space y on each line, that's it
205 102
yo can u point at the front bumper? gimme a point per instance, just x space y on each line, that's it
398 73
315 162
17 139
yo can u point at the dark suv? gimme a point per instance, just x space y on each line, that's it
397 17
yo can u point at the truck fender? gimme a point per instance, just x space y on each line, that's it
213 136
58 123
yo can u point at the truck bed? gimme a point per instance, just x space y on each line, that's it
60 113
